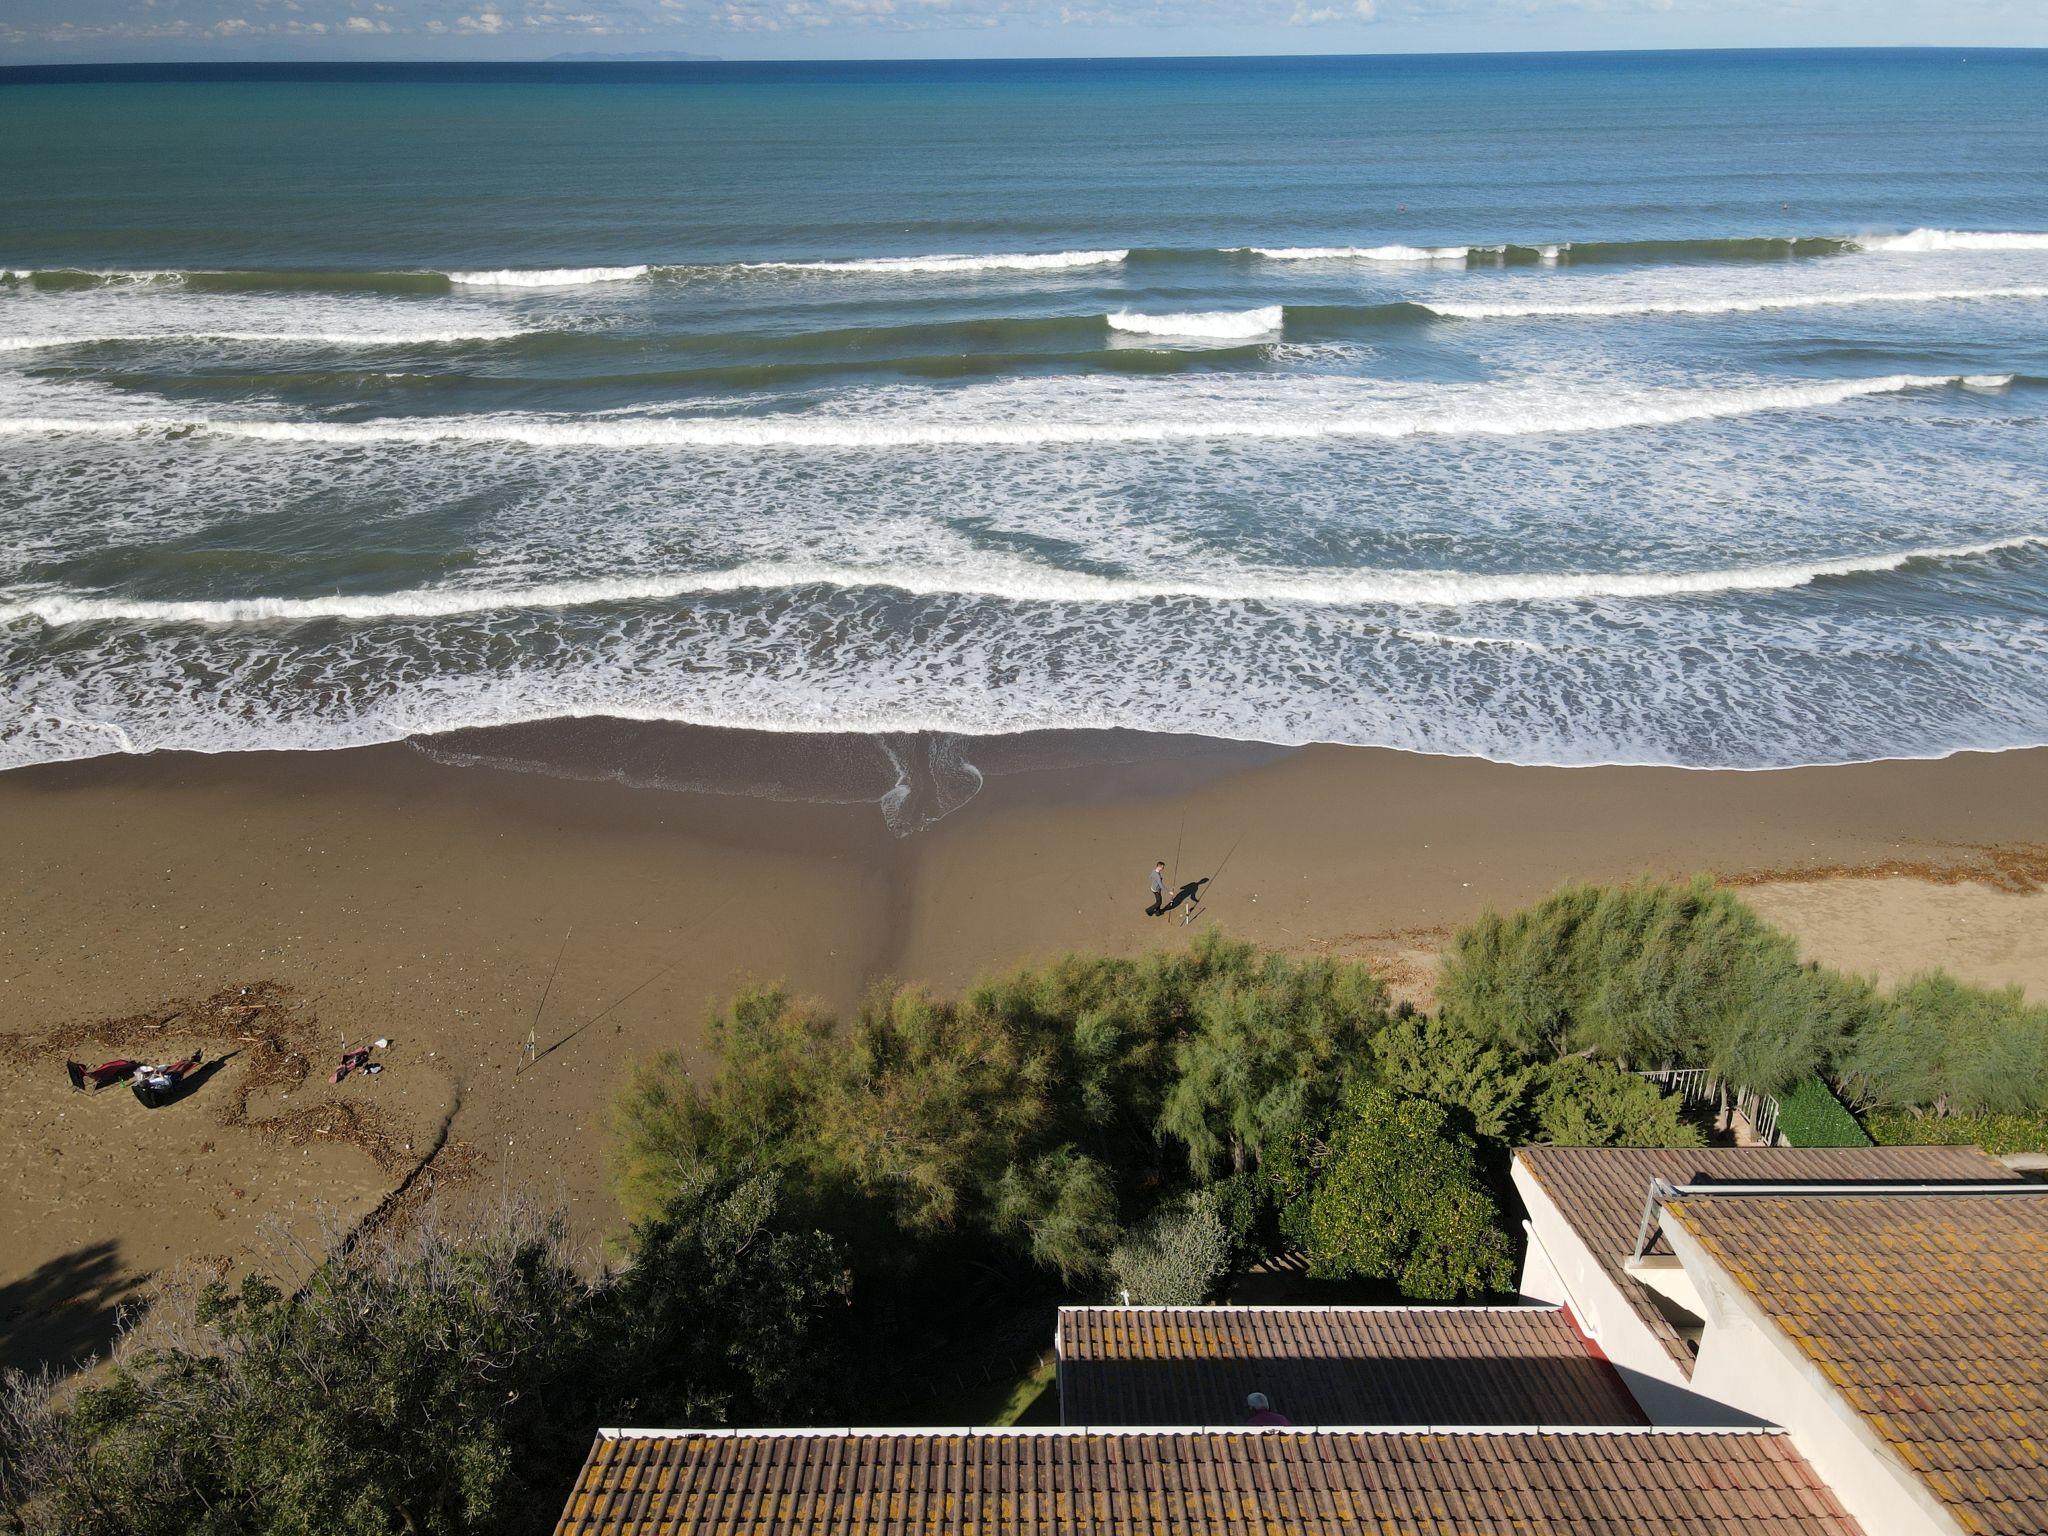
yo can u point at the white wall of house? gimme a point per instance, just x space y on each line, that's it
1748 1362
1559 1267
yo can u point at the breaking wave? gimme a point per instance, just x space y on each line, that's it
1928 240
1042 261
1222 324
1009 580
1733 304
1369 253
1198 418
547 277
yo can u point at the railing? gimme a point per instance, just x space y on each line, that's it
1761 1111
1691 1084
1695 1085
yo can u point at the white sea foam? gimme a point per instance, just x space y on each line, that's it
1010 580
1218 324
1921 241
1038 261
547 277
1732 304
105 276
1367 252
1487 413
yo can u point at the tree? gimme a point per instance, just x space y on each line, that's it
1062 1210
1266 1051
1585 1103
721 1316
404 1389
1425 1057
1399 1198
1936 1044
1654 974
1174 1258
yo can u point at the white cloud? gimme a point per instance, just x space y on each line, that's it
485 22
366 24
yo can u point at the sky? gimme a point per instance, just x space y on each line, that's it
57 31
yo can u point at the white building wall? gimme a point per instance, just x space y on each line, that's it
1559 1267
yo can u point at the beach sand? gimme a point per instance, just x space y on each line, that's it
454 908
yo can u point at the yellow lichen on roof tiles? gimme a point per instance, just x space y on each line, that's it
1927 1313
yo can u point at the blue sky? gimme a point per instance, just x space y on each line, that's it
33 31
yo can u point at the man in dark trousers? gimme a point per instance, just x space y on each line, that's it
1158 890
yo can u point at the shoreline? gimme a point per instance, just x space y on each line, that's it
454 908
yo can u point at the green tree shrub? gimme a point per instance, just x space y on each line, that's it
1938 1044
1399 1198
1811 1116
440 1383
1425 1057
1174 1258
1650 975
1048 1109
1587 1103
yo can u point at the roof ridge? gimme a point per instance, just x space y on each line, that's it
1049 1431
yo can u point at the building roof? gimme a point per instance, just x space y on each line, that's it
1198 1483
1409 1366
1928 1314
1601 1192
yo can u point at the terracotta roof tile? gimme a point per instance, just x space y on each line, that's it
1352 1366
1929 1315
1005 1483
1601 1190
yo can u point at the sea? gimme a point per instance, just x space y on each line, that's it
1677 408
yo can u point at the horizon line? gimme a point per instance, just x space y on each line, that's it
714 61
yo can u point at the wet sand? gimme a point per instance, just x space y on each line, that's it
454 908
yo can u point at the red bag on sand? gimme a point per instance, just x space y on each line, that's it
98 1077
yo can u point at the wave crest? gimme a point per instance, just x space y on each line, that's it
1030 261
1221 324
1407 253
547 277
1734 304
1008 580
1496 415
1921 241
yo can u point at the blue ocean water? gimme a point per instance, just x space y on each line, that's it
1671 408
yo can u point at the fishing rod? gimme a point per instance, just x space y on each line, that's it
541 1007
1195 906
609 1008
1178 838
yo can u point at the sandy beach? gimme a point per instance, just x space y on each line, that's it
457 909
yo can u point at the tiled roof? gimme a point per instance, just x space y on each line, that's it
1246 1483
1601 1190
1354 1366
1929 1315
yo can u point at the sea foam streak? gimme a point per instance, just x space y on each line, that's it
420 338
1497 414
1044 261
1731 305
548 277
1925 240
1221 324
1368 252
1009 580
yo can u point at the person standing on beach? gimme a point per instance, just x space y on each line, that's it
1158 890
